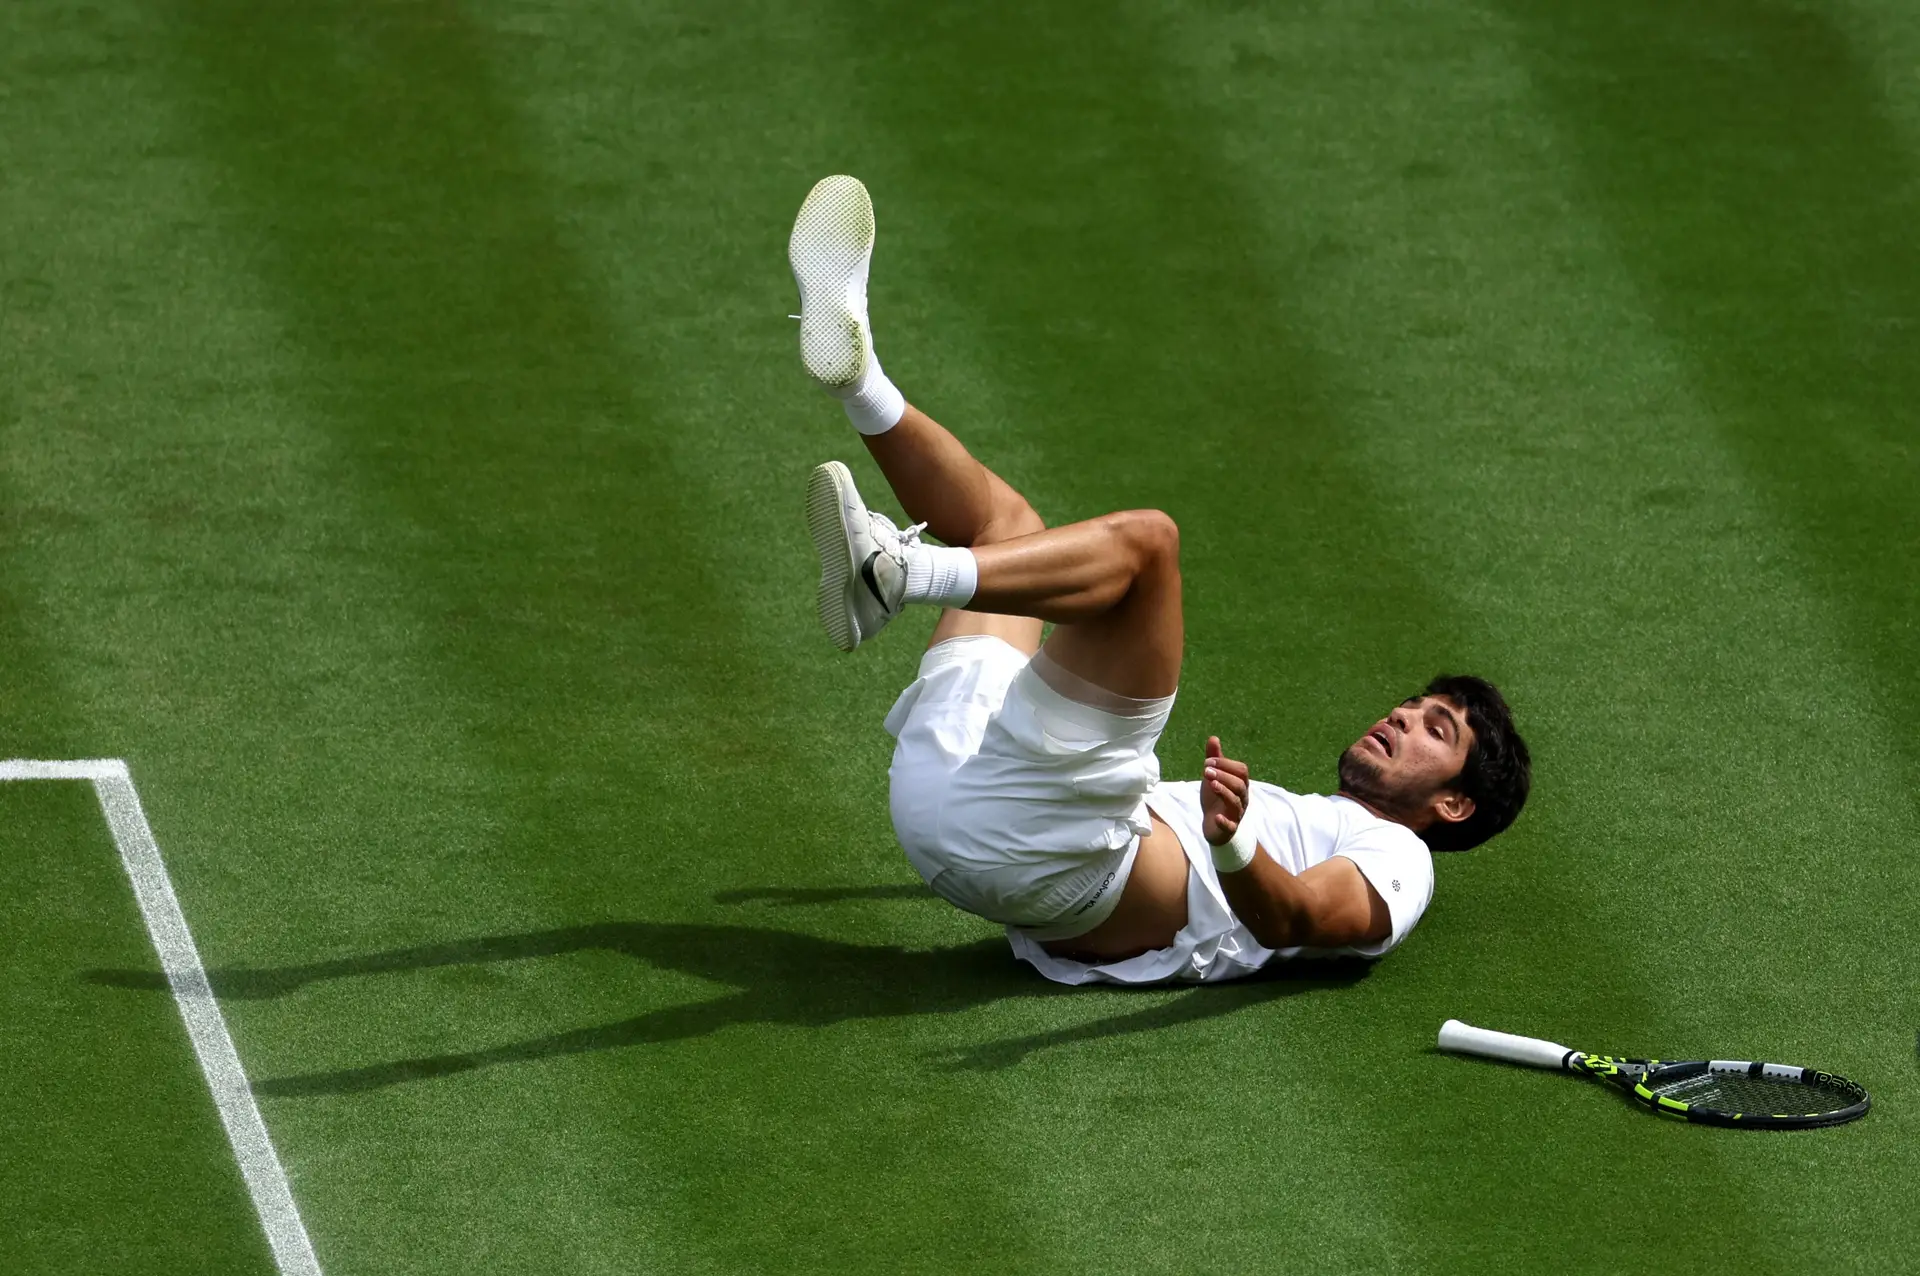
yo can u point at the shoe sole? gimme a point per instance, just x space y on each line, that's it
825 501
831 237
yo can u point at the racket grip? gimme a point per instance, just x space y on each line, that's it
1464 1038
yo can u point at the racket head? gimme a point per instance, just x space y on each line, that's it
1749 1095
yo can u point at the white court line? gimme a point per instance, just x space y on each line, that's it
259 1165
83 769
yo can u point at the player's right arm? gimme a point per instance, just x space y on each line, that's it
1331 905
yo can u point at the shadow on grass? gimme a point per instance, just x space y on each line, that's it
779 977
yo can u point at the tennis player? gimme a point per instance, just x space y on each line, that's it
1024 784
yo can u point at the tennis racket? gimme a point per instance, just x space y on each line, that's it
1736 1093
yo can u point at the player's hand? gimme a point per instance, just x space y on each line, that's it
1223 794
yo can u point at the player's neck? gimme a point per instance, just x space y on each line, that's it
1376 812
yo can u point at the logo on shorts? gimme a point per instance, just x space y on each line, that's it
1097 894
1396 883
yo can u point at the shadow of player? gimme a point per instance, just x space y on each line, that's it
779 977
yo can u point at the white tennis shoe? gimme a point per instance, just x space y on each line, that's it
863 558
830 250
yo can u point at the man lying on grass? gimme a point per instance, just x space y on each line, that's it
1024 786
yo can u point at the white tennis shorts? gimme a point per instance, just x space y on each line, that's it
1013 801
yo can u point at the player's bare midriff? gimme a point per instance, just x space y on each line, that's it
1152 908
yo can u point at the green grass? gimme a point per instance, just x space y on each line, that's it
105 1109
400 457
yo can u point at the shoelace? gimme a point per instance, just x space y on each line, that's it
906 537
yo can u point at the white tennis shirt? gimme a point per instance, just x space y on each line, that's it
1297 829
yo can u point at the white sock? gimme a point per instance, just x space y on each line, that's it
874 404
940 574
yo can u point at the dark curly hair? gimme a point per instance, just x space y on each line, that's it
1498 772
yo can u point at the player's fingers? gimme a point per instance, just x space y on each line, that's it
1222 782
1231 767
1232 800
1213 747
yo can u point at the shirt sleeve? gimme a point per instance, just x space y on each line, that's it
1400 868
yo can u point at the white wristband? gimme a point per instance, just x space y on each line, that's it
1231 857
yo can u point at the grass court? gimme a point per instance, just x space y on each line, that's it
401 452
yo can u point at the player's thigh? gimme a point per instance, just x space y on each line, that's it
1020 632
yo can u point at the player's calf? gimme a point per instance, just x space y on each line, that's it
1080 571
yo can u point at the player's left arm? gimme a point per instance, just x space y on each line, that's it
1331 905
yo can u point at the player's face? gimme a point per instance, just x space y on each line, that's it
1405 761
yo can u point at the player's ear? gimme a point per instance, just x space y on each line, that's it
1451 807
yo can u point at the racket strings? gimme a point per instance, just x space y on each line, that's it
1736 1092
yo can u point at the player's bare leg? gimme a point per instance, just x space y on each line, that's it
939 483
1111 584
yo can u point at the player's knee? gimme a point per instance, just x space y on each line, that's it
1153 535
1166 535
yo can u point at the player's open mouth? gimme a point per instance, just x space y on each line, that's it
1380 737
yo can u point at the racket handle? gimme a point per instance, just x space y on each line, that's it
1464 1038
